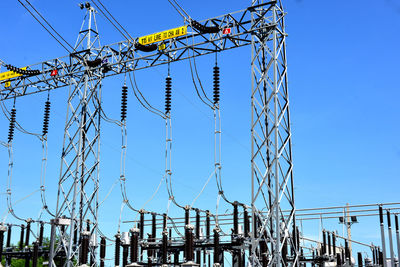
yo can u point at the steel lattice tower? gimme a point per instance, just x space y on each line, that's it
77 200
271 162
260 26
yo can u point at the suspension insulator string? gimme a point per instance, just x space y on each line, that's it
46 117
124 102
216 85
11 127
218 132
168 95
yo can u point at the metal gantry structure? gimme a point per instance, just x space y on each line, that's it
261 26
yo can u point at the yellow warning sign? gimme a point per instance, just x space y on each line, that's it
161 36
7 84
10 74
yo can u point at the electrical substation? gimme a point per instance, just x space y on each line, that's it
266 231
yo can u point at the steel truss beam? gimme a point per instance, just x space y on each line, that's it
123 57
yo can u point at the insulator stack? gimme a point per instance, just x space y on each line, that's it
124 102
21 239
189 243
246 222
35 254
46 117
40 241
125 252
12 125
216 246
28 233
102 251
117 249
168 87
208 234
75 240
9 236
235 218
84 247
134 244
216 84
164 246
2 231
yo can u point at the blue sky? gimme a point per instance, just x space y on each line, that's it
344 92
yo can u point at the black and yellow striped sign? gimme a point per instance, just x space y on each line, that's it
161 36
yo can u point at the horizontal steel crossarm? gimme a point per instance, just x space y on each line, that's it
122 57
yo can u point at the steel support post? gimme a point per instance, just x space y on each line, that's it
77 199
271 162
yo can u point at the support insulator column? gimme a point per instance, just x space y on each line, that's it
134 245
217 252
396 221
164 245
41 231
35 254
3 229
334 243
189 242
329 244
390 238
198 252
21 239
347 259
117 249
9 236
360 262
382 236
84 247
102 251
28 232
246 222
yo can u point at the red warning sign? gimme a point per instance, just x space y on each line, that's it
54 72
226 31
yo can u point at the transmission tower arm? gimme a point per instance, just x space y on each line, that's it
235 30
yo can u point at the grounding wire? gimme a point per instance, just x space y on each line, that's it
134 85
48 24
194 83
44 26
105 15
195 68
148 106
6 112
121 27
177 7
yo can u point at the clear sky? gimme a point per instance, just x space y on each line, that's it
344 91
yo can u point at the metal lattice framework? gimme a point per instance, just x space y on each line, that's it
272 176
77 201
261 26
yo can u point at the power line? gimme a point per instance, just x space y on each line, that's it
114 18
30 12
105 15
48 24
